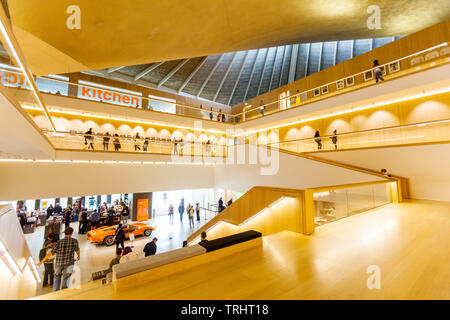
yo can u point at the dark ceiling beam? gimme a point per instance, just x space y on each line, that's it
225 76
293 63
149 69
238 77
262 72
273 68
282 66
111 70
209 76
192 74
251 75
172 72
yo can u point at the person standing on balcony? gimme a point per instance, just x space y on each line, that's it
137 142
378 71
116 142
223 117
211 114
219 115
334 139
175 146
89 139
106 139
318 140
261 108
146 142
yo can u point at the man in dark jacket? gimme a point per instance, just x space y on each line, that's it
181 211
150 248
57 210
49 211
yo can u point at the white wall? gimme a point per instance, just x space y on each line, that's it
427 166
293 172
18 136
37 180
15 286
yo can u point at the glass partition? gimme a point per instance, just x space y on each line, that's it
340 203
407 134
128 143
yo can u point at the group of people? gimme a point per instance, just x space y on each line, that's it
220 116
318 140
190 211
221 207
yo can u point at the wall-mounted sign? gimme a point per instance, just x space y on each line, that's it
142 210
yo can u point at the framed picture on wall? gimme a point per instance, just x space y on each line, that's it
316 92
304 96
368 75
350 81
324 89
394 67
340 84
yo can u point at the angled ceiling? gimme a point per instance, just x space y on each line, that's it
231 78
116 33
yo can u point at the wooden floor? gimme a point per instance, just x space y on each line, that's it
409 241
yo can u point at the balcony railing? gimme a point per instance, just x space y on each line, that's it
64 140
424 132
425 59
59 85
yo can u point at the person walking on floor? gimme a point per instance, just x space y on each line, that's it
171 214
106 139
67 217
49 211
120 236
64 250
197 211
116 260
378 71
318 140
181 210
83 222
190 212
334 139
111 213
49 271
150 248
94 219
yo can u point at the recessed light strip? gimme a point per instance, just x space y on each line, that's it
122 119
352 109
18 56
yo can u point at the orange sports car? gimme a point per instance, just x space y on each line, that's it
106 234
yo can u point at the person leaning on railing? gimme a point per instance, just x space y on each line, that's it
116 142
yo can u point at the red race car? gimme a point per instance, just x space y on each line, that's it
105 235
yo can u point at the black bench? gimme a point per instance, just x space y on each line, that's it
230 240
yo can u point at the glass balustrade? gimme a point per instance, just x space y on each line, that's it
428 58
95 142
428 132
336 204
